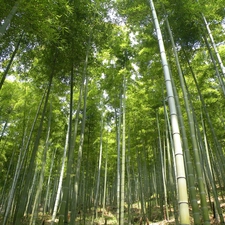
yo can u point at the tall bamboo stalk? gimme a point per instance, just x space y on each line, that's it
79 158
162 159
122 185
34 213
20 163
190 171
118 131
21 205
96 200
214 45
105 177
59 189
80 149
11 60
8 19
181 176
63 212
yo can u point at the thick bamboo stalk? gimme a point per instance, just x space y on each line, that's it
181 176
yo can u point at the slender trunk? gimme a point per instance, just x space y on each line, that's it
171 172
20 163
30 192
8 19
10 61
200 162
197 160
140 188
105 178
47 196
3 130
63 212
190 171
217 146
118 128
41 178
22 202
57 200
221 81
181 177
3 194
80 149
209 173
163 168
123 154
128 182
214 46
87 179
99 170
79 158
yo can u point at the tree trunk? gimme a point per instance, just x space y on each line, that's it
220 78
96 200
41 178
190 170
214 46
57 200
10 61
79 158
20 163
47 196
23 200
63 212
105 177
8 19
162 159
118 130
80 149
181 177
122 185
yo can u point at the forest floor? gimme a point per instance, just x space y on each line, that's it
109 217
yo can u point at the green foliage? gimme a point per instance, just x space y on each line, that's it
185 20
55 41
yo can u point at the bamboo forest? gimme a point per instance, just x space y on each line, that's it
112 112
